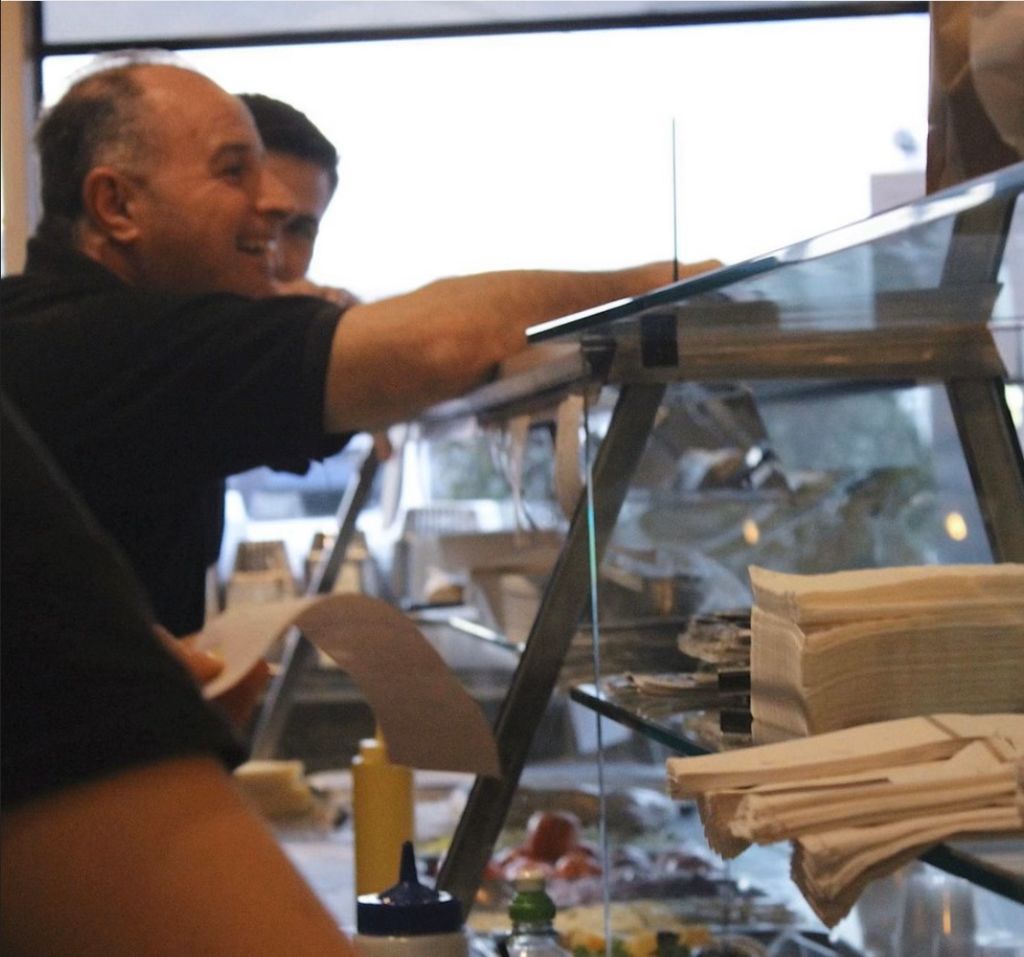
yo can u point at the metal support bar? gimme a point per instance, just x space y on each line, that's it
994 460
299 654
983 421
535 677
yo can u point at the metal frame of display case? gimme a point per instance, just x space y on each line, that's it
979 408
299 654
534 680
666 348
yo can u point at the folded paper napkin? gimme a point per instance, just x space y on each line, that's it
859 803
888 592
833 651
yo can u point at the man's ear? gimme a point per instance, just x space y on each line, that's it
107 195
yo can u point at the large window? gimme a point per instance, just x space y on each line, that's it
555 149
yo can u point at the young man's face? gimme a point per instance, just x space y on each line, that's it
207 213
309 189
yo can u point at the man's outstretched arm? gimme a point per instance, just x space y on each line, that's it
393 358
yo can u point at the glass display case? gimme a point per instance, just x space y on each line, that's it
853 401
848 402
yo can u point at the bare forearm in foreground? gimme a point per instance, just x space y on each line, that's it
157 861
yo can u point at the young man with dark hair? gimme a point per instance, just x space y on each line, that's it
306 163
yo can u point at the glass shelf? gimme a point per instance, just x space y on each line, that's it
689 723
996 865
464 621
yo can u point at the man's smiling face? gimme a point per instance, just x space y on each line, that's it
207 211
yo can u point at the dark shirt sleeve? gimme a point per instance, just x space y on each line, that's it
87 689
256 373
129 388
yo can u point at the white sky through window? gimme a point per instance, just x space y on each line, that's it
555 149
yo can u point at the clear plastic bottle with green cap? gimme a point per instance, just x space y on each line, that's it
532 913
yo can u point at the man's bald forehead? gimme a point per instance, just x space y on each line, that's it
171 73
161 79
182 99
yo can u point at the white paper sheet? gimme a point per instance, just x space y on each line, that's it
426 716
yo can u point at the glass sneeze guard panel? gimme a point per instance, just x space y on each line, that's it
870 298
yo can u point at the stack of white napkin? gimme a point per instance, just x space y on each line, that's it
859 803
838 650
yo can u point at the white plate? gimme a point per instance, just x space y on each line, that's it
428 783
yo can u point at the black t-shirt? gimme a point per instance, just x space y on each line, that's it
148 401
86 689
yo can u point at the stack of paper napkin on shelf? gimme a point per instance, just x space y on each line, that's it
838 650
859 803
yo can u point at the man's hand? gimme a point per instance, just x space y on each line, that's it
394 357
382 446
240 700
204 666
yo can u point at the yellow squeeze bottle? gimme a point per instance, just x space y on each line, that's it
382 813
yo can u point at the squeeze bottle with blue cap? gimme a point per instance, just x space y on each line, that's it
382 814
409 919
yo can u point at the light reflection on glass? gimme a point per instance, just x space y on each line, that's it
956 526
1015 401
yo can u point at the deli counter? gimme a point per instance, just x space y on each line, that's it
589 518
